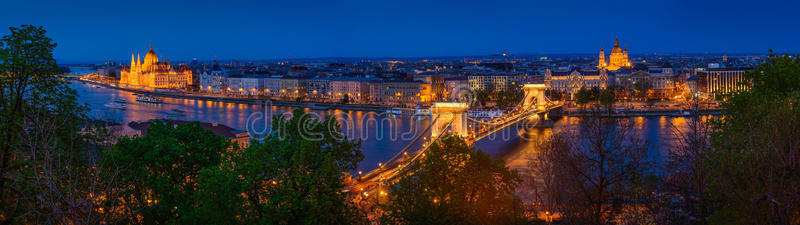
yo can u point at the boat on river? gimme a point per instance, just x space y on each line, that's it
149 99
175 112
120 100
114 105
316 106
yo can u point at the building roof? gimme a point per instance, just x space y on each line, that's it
496 73
218 129
151 55
581 71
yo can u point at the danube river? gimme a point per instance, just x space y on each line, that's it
382 135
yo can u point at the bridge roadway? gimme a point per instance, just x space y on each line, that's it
392 170
490 127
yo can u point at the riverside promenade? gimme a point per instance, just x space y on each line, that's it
253 101
568 111
637 112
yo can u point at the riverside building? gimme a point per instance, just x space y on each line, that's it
152 73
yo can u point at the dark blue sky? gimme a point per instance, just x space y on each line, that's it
181 30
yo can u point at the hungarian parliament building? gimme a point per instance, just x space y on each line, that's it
154 74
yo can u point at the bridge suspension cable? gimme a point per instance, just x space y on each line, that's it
421 152
410 144
392 162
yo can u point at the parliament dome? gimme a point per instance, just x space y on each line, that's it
150 57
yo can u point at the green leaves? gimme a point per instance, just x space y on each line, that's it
455 184
753 167
293 176
162 169
607 97
582 96
509 98
43 151
297 172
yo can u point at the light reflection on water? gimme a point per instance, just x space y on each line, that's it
382 136
659 133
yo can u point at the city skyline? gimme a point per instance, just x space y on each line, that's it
279 30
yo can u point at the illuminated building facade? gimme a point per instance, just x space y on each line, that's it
213 81
356 89
245 85
318 88
719 81
151 73
434 85
272 86
498 81
572 80
618 58
293 87
457 89
407 93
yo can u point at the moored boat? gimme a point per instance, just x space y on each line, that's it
120 100
149 99
315 106
114 105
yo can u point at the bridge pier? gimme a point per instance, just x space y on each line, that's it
444 113
537 120
544 120
534 96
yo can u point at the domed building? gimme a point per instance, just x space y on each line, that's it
618 58
154 74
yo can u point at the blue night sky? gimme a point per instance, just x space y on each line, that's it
89 31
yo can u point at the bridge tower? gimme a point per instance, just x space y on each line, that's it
446 112
534 94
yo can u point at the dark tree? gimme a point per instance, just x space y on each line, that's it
296 174
754 165
346 99
455 184
641 89
506 99
581 173
607 99
582 96
48 148
160 172
481 97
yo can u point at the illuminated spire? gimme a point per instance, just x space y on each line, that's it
616 42
137 59
132 60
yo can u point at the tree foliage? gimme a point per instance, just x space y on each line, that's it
48 150
293 176
753 169
160 171
455 184
346 99
480 97
506 99
580 173
641 89
607 99
582 96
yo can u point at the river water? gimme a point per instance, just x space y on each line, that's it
381 135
